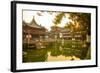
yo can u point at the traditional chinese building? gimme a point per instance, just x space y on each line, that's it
61 32
32 31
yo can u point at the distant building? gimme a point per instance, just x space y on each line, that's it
65 33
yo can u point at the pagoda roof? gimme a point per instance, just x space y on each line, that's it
32 24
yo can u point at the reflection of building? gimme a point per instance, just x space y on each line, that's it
65 33
32 30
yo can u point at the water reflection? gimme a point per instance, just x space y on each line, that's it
60 57
57 52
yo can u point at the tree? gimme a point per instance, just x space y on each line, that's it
83 19
81 22
58 18
80 19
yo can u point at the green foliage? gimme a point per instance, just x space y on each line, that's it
83 19
58 18
70 48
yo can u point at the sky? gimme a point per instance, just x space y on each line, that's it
44 19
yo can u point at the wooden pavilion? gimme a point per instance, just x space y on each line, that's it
32 31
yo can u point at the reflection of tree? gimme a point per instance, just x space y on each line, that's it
35 55
40 55
55 51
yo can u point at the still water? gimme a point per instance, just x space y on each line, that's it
57 52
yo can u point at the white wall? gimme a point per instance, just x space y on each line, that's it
5 37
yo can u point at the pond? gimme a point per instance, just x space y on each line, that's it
56 51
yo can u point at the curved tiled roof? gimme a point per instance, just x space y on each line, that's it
32 24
